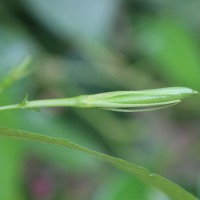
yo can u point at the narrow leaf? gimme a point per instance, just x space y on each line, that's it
171 189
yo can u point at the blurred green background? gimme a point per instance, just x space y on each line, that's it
91 46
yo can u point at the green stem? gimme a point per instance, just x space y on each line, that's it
123 101
68 102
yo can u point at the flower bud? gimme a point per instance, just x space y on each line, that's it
134 101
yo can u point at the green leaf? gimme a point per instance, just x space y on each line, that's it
15 74
170 45
174 191
122 186
11 164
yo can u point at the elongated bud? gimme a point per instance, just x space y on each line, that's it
123 101
134 101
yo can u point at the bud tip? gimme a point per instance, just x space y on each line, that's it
195 92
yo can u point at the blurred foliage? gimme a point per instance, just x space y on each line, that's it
89 47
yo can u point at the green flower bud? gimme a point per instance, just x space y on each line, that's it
134 101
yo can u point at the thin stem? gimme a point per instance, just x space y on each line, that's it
68 102
123 101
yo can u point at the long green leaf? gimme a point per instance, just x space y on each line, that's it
174 191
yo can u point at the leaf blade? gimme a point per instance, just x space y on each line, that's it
174 191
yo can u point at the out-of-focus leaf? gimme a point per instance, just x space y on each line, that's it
125 187
186 11
15 45
174 191
122 187
15 74
78 19
172 48
11 163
